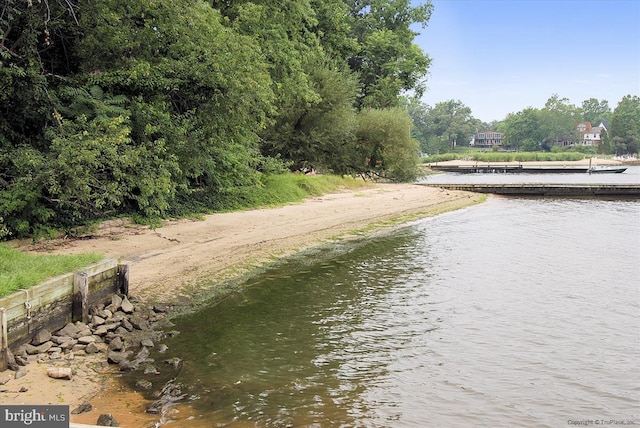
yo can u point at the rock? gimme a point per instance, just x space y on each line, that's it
115 357
143 356
69 344
127 366
4 380
22 372
154 408
144 384
116 303
30 349
44 347
162 348
69 330
148 343
127 325
174 362
116 344
97 321
139 323
100 331
126 306
23 389
95 310
107 420
59 340
59 373
77 349
113 325
121 331
11 360
160 308
21 361
151 370
83 408
41 349
92 348
85 340
55 356
83 333
41 337
54 349
118 317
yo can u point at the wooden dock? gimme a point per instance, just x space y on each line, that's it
548 189
510 168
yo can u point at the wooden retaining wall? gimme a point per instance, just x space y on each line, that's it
54 303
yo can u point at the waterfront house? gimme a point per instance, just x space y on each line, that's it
487 139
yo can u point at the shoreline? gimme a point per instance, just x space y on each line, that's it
183 258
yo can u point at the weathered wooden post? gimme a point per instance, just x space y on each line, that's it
4 341
80 297
123 279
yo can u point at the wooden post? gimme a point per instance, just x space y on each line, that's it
80 297
123 279
4 341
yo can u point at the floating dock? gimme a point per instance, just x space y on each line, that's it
548 189
514 169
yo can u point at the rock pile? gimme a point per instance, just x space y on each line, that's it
120 330
123 331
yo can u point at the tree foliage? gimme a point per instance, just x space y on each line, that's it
387 60
595 111
384 139
522 130
625 126
442 127
157 108
541 129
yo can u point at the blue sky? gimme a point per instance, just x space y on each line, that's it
500 57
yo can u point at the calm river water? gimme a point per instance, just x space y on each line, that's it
516 312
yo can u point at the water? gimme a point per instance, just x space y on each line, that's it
515 312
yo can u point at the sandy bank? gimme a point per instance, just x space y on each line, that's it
170 263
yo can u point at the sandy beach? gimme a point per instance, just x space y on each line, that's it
183 258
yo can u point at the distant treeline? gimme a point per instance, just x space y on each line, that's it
506 157
164 107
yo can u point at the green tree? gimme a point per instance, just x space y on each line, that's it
595 111
385 142
625 126
387 60
178 62
321 134
452 121
522 130
36 49
557 120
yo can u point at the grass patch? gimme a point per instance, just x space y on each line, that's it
289 188
270 190
22 270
